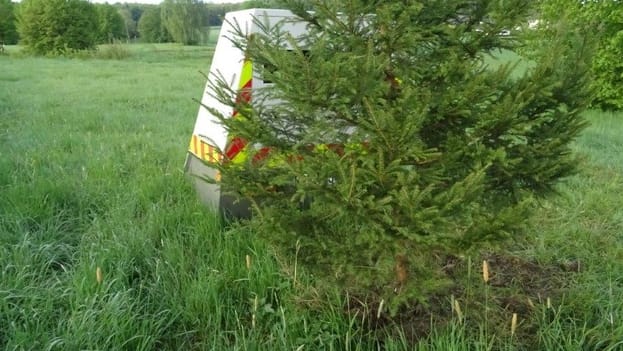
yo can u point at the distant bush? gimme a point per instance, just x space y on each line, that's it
601 24
608 70
115 51
8 32
56 27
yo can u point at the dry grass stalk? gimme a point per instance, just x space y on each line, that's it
99 277
378 313
457 309
255 304
485 271
296 259
513 324
248 259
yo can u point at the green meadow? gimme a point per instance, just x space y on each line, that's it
104 245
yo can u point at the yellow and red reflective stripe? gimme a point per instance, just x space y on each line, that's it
237 144
203 150
247 73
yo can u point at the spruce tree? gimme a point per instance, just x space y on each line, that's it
397 138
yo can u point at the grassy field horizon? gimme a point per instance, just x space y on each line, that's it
104 245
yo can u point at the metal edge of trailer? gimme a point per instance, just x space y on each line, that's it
228 206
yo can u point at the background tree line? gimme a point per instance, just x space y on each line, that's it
54 26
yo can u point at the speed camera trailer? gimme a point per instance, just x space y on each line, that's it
209 135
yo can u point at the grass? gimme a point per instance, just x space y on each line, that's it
91 158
